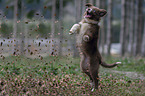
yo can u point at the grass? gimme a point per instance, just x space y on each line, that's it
130 64
62 76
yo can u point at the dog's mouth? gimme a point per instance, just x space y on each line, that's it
88 15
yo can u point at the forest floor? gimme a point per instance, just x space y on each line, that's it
62 76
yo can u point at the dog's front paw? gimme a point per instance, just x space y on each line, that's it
70 32
75 29
86 38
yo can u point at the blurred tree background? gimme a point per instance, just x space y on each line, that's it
36 28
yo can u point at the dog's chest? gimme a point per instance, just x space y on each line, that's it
84 29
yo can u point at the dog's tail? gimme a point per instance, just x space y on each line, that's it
109 65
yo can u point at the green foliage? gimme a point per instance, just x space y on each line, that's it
38 1
19 4
32 1
5 29
116 31
43 29
30 14
29 1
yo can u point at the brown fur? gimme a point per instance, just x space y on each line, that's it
87 42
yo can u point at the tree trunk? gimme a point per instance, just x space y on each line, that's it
78 10
15 27
91 1
78 17
109 27
123 27
83 7
26 39
60 26
135 27
127 27
22 29
98 3
140 27
143 43
102 28
53 14
131 33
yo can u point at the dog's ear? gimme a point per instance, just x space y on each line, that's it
102 12
89 5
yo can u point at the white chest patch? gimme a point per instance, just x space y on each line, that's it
83 30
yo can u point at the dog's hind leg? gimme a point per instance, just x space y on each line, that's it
85 66
94 68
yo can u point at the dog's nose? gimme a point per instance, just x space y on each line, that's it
89 10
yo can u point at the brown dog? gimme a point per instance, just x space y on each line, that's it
87 42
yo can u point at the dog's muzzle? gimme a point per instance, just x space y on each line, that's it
88 13
89 10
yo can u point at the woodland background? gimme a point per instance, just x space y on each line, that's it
41 27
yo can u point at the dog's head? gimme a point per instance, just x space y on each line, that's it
93 13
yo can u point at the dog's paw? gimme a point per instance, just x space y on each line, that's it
86 38
70 32
93 90
75 29
118 62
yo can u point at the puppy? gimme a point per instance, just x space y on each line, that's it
87 41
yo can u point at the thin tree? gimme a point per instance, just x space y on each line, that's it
78 10
143 42
78 17
135 27
60 26
127 27
109 27
91 1
140 27
22 29
26 39
98 3
53 15
15 27
102 28
123 27
131 33
83 7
